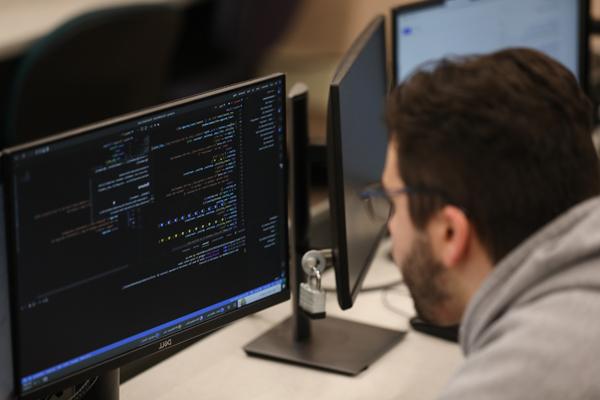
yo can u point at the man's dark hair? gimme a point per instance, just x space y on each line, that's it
506 136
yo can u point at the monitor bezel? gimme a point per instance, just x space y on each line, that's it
583 50
176 338
337 209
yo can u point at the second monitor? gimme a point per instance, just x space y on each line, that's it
433 29
356 144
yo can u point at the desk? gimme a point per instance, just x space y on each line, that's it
24 21
217 367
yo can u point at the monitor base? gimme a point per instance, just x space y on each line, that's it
334 345
449 333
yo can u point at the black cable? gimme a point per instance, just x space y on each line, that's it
83 389
375 288
387 304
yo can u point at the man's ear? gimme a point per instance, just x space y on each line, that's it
450 232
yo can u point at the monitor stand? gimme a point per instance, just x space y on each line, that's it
333 344
330 344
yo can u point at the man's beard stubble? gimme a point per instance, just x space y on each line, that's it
422 273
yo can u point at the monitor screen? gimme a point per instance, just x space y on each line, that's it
132 235
435 29
357 142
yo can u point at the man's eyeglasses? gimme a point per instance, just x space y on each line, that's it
378 200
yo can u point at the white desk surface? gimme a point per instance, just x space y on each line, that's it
217 367
24 21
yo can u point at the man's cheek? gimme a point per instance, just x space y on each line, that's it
398 250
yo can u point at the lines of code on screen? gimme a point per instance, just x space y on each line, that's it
135 224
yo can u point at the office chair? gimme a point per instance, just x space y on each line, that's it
97 65
224 41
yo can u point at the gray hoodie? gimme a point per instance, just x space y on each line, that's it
532 331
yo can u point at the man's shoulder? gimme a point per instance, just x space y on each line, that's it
545 348
569 312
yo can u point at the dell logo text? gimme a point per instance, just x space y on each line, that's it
165 344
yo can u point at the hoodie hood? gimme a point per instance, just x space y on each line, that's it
561 256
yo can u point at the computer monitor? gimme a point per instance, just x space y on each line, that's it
356 142
430 30
133 235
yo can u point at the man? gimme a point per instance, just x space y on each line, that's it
492 178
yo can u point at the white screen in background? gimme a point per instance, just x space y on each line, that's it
461 27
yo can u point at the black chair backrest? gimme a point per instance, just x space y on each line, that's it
245 29
100 64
